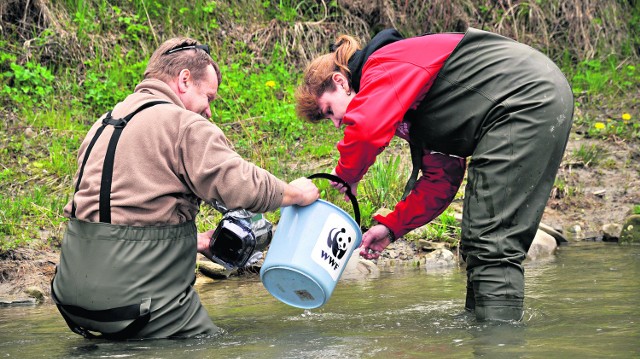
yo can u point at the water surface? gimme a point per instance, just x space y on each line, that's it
583 302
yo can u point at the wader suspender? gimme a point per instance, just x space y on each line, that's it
107 167
139 313
416 161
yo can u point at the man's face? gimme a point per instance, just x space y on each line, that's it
197 98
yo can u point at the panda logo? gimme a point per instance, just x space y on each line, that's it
338 241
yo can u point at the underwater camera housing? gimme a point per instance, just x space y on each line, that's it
238 236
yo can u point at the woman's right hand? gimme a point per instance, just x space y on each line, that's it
374 241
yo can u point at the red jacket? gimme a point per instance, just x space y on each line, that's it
394 79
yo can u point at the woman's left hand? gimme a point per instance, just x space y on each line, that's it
374 241
343 189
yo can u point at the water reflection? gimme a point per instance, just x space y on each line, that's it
582 302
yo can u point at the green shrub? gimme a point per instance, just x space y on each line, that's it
27 86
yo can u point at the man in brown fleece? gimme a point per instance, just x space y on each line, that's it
128 255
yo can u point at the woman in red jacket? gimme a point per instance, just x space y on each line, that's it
453 96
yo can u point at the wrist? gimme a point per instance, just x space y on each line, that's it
204 244
390 234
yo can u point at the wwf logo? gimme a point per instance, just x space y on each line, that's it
338 241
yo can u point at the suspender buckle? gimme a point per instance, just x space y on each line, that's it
115 122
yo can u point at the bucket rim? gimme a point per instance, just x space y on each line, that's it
348 193
333 205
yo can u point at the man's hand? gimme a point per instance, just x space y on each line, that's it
203 243
374 241
300 191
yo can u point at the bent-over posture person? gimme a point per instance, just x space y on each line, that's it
476 96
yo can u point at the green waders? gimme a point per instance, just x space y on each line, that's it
127 282
509 108
110 277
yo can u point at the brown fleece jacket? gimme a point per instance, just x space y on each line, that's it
167 161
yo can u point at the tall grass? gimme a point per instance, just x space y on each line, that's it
55 80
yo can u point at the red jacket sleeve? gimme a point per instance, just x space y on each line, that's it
434 191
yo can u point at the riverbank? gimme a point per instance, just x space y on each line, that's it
591 196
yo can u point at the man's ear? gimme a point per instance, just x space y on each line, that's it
184 80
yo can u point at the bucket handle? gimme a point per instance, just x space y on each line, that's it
354 201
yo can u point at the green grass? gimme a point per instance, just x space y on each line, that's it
49 100
30 216
445 228
607 87
588 156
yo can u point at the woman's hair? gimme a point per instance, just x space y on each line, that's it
317 77
170 58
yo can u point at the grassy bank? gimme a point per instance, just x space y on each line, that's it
64 64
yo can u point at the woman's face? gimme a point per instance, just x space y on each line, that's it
333 105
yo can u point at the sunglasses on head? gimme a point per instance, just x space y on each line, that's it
205 48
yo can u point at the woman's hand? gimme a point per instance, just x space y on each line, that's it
343 189
374 241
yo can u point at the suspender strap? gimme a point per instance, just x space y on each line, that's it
84 162
107 167
107 176
416 160
139 313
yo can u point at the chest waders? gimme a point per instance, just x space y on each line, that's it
127 281
509 108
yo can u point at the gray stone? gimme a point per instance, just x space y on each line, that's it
17 302
631 230
440 258
574 233
429 246
557 234
29 132
359 268
543 245
36 293
611 232
213 270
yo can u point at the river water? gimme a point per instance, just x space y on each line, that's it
584 302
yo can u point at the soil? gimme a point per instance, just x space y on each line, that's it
590 196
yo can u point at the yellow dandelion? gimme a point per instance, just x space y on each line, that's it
270 83
599 126
626 116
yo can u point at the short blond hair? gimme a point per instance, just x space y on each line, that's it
165 67
317 77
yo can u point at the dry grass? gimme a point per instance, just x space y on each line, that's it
581 28
304 40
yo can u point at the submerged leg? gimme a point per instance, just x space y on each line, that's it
510 176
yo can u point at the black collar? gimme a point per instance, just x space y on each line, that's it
359 58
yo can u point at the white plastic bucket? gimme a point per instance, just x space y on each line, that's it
310 250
